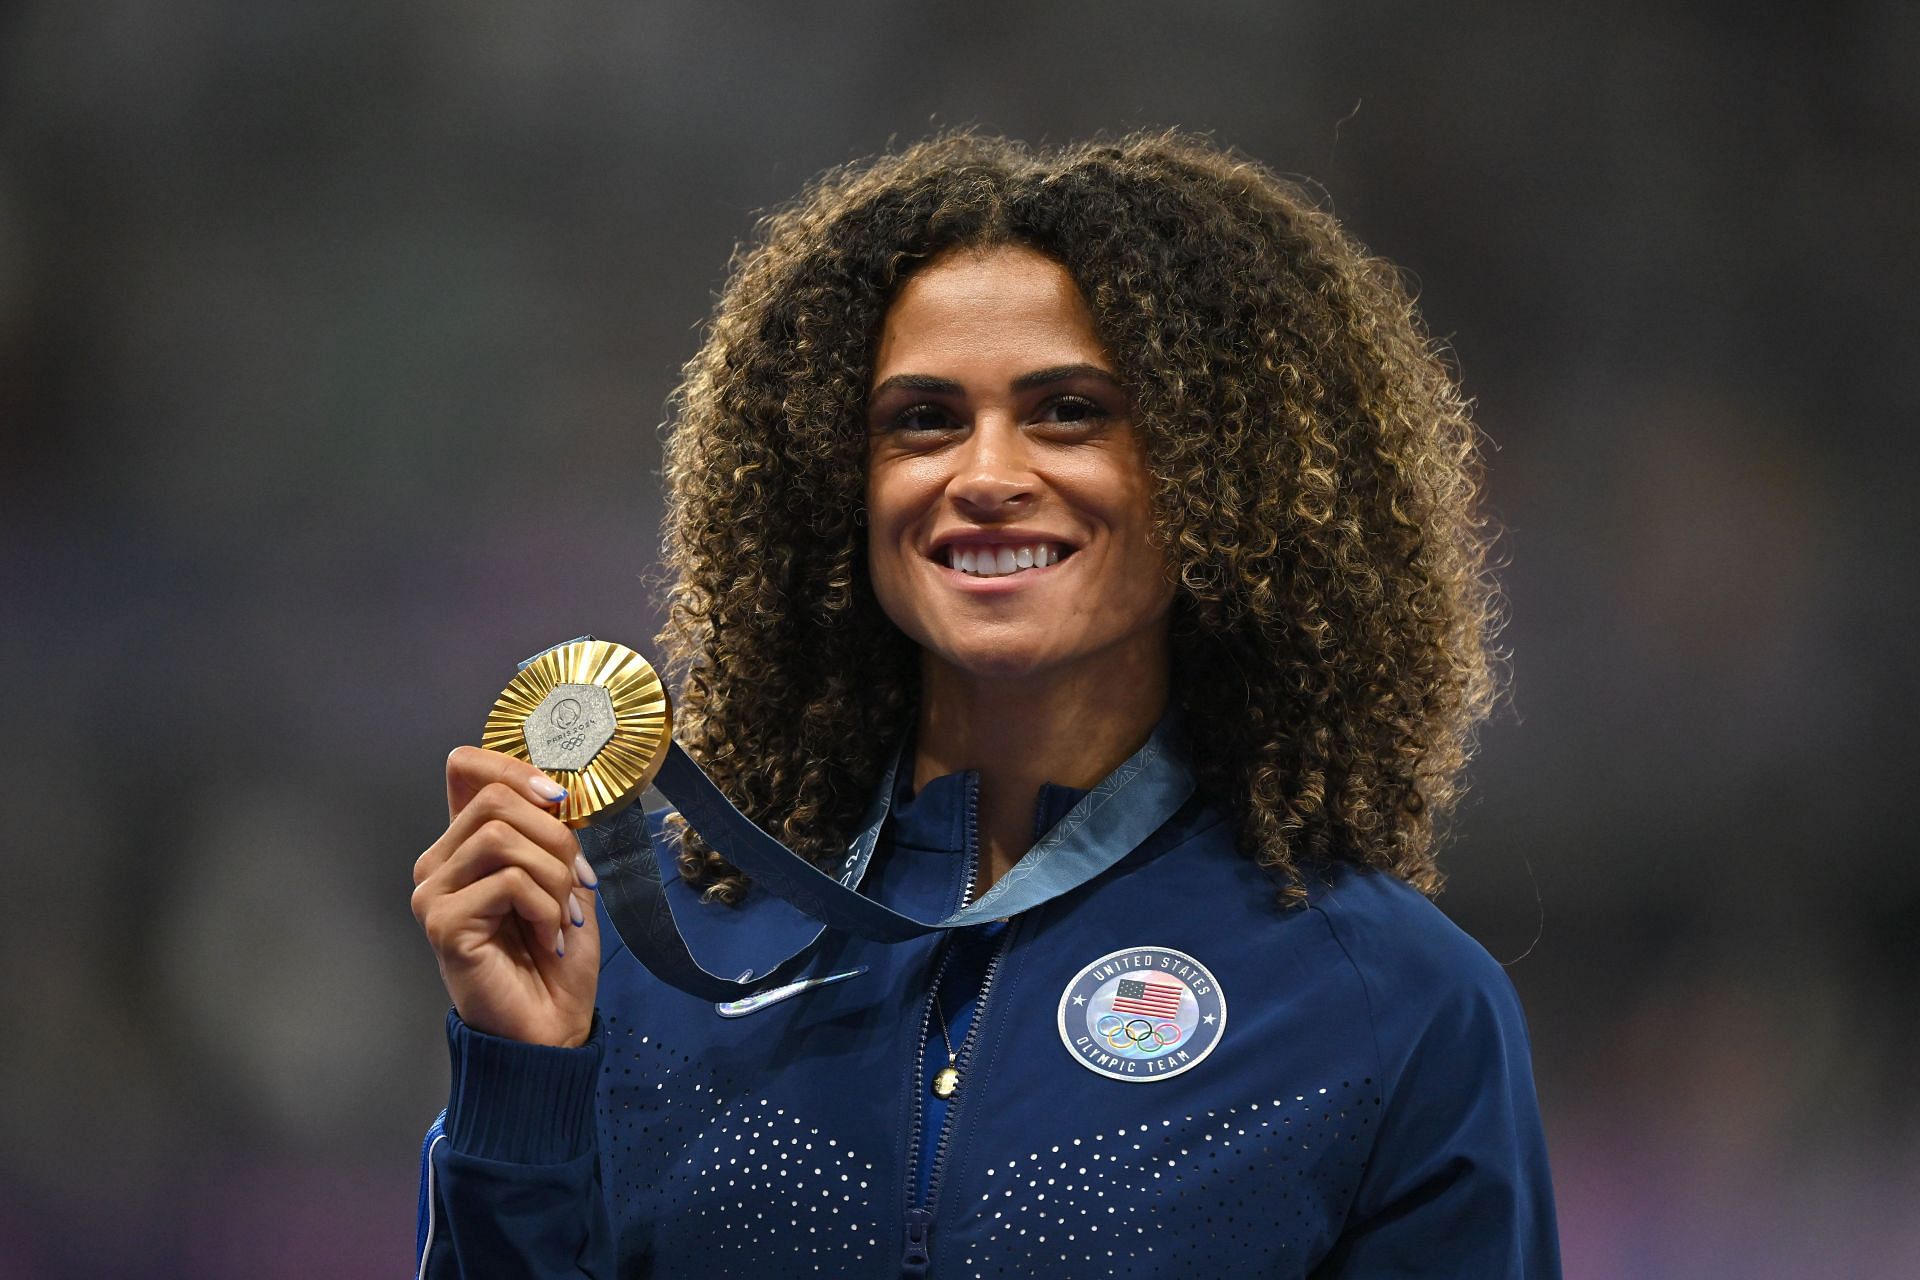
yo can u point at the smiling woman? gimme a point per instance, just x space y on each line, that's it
1010 515
1075 556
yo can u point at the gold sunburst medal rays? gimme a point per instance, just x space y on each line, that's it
593 716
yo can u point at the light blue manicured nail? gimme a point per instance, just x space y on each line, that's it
573 909
546 788
584 869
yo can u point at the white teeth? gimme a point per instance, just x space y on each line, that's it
994 562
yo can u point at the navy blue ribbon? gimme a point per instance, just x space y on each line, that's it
1108 823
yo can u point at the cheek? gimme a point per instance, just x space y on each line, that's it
1124 498
897 500
887 558
887 494
877 518
900 598
1145 564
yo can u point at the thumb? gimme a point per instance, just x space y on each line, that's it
470 770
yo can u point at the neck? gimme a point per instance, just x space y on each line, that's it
1071 730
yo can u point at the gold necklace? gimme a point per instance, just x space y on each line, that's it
946 1081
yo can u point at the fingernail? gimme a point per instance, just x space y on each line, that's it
560 942
573 909
584 869
546 788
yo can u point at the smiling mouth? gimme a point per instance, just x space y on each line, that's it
981 560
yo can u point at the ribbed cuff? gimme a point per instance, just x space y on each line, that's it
521 1103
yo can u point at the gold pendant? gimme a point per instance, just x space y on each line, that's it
593 716
946 1082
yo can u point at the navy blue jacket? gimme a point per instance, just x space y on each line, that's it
1361 1102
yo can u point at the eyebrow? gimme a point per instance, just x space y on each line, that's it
1025 382
1060 373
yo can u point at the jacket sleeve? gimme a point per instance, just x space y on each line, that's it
1457 1183
510 1175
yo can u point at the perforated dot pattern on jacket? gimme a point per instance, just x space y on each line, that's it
1231 1183
723 1183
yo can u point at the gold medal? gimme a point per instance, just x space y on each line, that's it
593 716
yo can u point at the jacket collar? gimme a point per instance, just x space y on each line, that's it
937 818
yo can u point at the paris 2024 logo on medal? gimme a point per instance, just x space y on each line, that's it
1142 1014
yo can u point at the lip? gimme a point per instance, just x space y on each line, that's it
996 538
998 585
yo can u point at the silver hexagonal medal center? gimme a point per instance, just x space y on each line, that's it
569 727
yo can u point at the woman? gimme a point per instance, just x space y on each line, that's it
1057 477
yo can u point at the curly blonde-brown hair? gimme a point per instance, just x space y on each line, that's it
1315 467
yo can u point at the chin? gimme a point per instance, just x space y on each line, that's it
1005 668
998 662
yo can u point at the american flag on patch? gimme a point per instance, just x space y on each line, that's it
1147 998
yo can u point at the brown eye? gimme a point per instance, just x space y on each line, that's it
922 417
1072 409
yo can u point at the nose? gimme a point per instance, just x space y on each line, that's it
993 477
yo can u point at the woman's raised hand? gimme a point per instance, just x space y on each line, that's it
506 900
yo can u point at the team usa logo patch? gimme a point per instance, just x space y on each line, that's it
1142 1014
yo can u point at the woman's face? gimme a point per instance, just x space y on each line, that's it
1007 494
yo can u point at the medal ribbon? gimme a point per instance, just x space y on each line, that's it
1107 824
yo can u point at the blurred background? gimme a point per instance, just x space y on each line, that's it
334 346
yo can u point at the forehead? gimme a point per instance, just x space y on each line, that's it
983 309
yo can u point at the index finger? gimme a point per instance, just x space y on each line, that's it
471 769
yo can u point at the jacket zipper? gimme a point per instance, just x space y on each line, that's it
917 1256
914 1261
920 1217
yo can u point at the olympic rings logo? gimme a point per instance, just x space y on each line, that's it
1135 1033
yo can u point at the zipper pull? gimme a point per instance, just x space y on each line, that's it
915 1260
